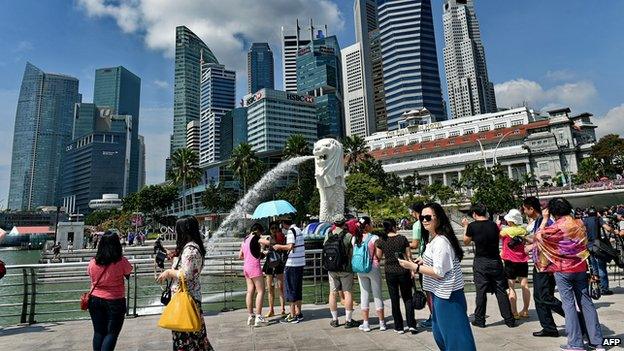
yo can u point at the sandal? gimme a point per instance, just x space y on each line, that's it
524 314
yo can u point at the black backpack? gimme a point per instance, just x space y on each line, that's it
334 253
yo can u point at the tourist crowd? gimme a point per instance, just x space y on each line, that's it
562 243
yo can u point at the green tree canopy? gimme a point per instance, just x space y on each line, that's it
590 170
246 165
609 150
361 189
493 187
296 145
355 151
185 171
217 198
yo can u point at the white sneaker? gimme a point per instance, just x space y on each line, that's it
259 321
399 331
250 320
364 328
382 327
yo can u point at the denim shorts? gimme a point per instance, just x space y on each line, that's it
293 279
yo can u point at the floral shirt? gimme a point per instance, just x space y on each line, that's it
191 264
562 247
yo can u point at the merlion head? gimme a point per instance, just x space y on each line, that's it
329 162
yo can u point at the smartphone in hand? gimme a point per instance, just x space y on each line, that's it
399 255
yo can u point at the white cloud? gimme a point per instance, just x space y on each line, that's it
560 75
23 46
578 95
612 122
161 84
227 27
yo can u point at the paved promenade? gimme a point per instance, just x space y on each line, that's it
227 331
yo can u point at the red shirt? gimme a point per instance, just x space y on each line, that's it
111 285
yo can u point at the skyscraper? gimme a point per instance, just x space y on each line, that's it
358 105
192 136
260 69
367 34
142 169
99 162
218 96
292 41
410 61
188 52
43 127
469 88
120 89
233 131
319 73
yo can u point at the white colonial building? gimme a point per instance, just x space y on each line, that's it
520 139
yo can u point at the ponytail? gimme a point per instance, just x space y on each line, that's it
359 232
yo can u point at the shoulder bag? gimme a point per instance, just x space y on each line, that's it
419 298
85 297
182 313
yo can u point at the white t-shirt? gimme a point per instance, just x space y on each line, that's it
296 257
439 254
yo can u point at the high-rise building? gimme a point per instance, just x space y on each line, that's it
233 131
319 73
367 34
274 115
189 51
260 69
358 105
218 96
142 169
120 89
410 62
43 127
99 162
469 88
192 136
292 41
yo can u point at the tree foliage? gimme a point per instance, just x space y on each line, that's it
392 207
609 151
99 216
355 151
246 165
361 189
296 145
590 170
151 200
218 199
493 187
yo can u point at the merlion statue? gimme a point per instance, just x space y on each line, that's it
329 172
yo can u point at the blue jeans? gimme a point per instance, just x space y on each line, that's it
599 268
573 288
107 317
450 325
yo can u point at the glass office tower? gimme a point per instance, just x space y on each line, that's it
260 68
43 128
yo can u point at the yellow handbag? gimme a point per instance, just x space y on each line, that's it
181 314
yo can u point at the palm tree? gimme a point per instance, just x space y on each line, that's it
244 163
355 150
295 146
185 171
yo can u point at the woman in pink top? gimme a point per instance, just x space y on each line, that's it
516 261
107 305
251 254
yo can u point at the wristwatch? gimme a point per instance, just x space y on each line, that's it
417 267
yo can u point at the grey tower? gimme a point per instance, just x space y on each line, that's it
43 128
292 41
469 88
259 67
367 33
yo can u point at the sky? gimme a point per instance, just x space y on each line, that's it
543 53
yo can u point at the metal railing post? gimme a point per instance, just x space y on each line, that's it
24 297
224 287
33 296
136 288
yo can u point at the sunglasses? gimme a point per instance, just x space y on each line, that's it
426 218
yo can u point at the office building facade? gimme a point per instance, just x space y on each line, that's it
120 89
98 163
189 51
43 127
218 96
233 131
260 68
192 136
142 169
274 115
358 105
410 62
292 40
319 73
367 34
469 88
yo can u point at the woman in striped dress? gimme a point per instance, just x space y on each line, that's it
442 278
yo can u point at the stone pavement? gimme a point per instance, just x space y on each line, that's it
227 331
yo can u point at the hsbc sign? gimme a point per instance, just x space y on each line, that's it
300 98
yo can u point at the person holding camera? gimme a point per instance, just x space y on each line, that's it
399 280
516 261
594 226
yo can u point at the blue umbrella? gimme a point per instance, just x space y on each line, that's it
273 208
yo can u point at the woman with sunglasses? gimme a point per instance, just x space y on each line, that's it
442 277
